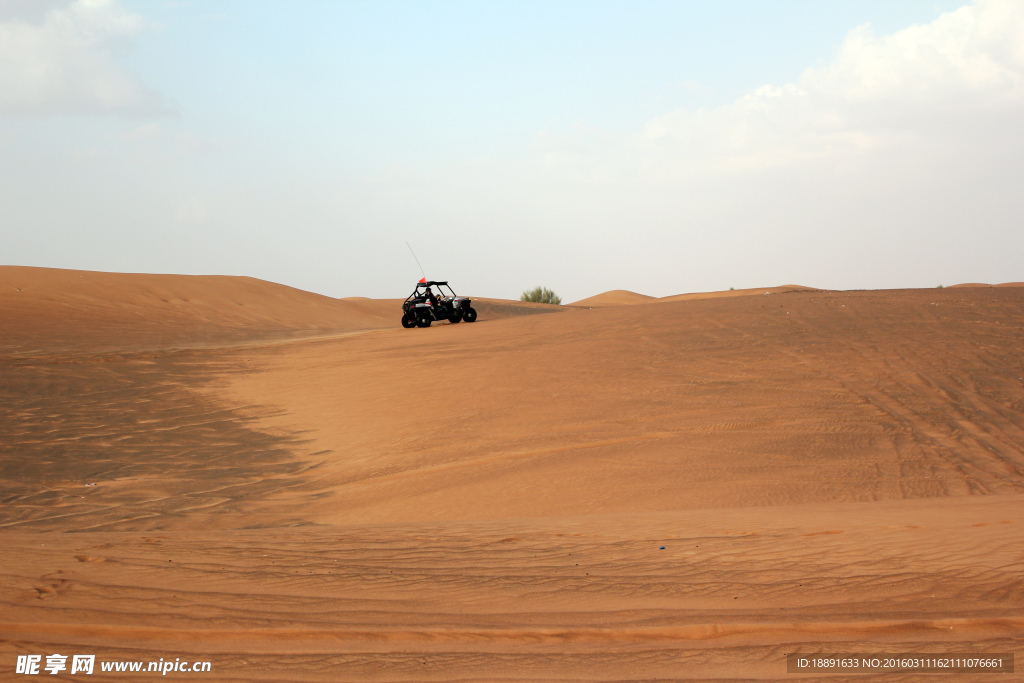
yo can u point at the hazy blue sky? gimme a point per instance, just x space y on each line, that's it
661 147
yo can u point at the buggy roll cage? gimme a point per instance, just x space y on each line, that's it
431 283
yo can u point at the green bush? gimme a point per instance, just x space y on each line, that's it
541 295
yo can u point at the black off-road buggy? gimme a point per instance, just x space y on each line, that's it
423 307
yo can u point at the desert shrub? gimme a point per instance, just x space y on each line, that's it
541 295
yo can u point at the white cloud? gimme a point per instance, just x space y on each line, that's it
67 64
899 160
927 83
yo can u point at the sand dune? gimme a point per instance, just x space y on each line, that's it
686 489
616 297
621 297
677 405
48 309
582 598
782 289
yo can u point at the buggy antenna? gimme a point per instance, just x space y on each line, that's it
417 260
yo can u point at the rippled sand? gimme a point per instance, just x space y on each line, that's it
295 488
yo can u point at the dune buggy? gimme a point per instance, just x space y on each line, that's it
423 307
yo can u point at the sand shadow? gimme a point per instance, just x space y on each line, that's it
128 443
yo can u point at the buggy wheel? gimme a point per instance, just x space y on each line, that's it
423 321
469 315
408 320
455 318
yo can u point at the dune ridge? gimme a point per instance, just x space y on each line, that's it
621 297
50 309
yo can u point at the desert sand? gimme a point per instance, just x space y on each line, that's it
293 487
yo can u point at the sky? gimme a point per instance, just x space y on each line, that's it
659 147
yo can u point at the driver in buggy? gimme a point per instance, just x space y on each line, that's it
424 306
